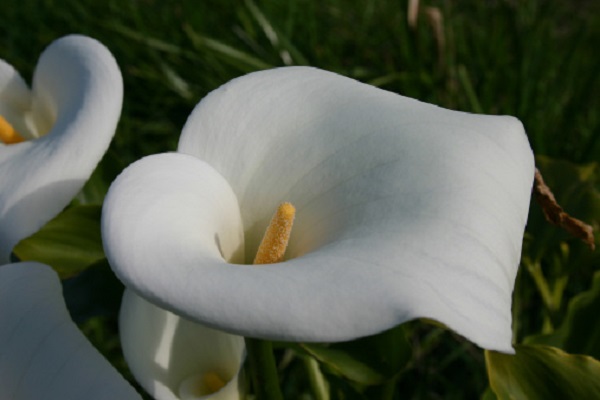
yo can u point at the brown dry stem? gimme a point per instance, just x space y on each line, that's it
555 214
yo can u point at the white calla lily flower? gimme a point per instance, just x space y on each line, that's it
403 210
43 355
53 136
173 358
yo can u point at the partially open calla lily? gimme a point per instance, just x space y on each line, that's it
175 359
53 136
43 355
403 210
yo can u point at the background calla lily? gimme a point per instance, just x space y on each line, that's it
43 355
68 119
404 210
173 358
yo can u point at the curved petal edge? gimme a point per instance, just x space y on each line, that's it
44 355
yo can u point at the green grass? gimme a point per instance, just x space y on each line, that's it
533 59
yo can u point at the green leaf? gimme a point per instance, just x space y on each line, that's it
580 331
542 372
239 59
69 243
488 394
288 53
372 360
581 327
342 363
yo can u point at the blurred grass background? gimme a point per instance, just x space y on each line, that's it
537 60
533 59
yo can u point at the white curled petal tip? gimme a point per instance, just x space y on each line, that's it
173 358
174 207
70 116
44 355
403 210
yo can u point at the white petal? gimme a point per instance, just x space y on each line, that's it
404 210
43 354
15 97
190 214
163 350
77 92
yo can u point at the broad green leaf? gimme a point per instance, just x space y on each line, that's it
580 331
372 360
488 394
581 327
69 243
543 372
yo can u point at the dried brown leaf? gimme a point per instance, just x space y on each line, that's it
555 214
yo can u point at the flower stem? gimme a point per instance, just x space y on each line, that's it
535 271
551 298
263 369
318 383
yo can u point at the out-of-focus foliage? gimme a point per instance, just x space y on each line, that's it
69 243
579 332
541 372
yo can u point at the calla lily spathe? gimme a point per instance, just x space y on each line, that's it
43 355
68 119
175 359
404 210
